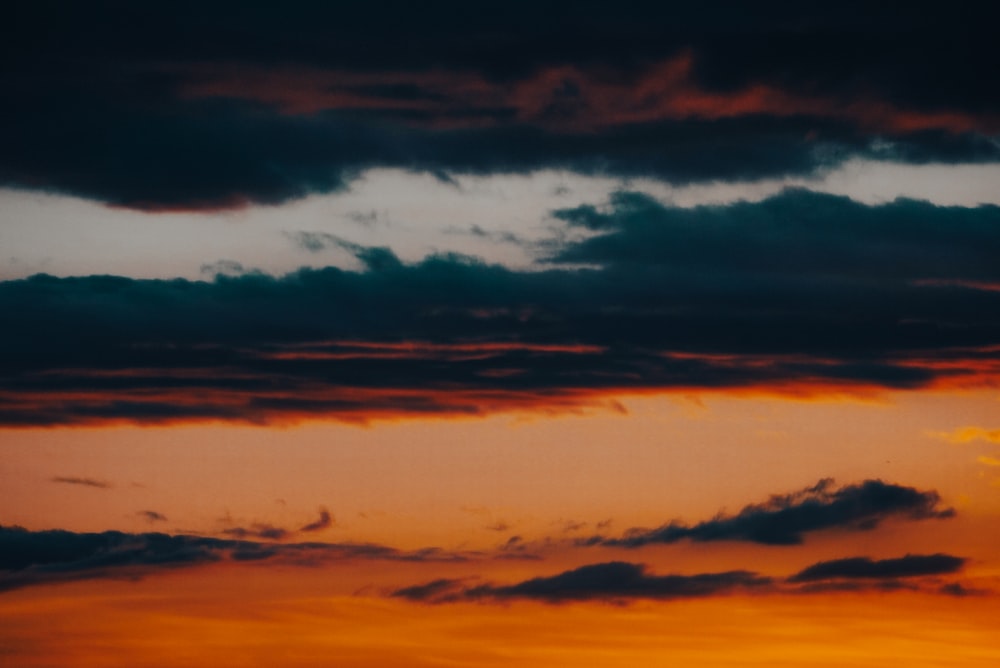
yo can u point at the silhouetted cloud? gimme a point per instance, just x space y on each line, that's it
863 568
259 531
959 590
152 516
784 519
429 591
798 293
85 482
168 106
325 521
618 581
41 557
610 581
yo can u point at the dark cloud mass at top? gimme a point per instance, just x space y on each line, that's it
186 105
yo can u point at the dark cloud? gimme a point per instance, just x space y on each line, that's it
432 590
85 482
798 293
617 581
863 568
178 106
612 581
957 589
324 521
258 531
152 516
41 557
784 519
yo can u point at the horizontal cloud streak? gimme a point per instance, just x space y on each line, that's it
85 482
796 293
616 580
862 568
619 581
784 519
41 557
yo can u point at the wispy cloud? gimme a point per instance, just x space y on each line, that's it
85 482
324 521
968 435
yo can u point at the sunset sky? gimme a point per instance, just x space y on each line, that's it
487 334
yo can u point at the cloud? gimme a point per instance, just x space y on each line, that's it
784 519
432 590
258 531
863 568
618 581
794 294
152 516
281 109
612 581
41 557
325 521
85 482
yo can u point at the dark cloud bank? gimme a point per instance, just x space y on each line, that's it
802 292
179 105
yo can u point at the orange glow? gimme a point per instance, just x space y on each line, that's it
249 618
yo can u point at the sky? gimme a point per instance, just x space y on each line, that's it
466 334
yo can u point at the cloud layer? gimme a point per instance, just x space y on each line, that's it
801 292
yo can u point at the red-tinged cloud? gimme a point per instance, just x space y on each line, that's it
801 293
180 109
